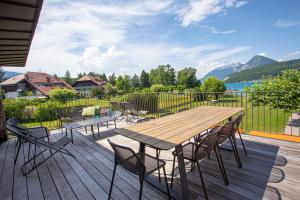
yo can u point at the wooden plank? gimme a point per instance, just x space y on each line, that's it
62 185
3 152
20 182
80 190
7 181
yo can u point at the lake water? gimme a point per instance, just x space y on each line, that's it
238 86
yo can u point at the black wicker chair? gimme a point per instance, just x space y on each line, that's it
24 136
132 162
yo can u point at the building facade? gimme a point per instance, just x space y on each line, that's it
84 85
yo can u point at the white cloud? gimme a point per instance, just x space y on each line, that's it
198 10
262 54
291 56
286 23
84 36
213 30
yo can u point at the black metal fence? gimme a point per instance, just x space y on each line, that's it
276 112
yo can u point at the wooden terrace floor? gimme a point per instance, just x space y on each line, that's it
270 171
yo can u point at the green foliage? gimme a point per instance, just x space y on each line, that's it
159 88
61 94
163 74
144 79
135 81
265 71
212 84
67 77
269 91
97 92
112 79
123 83
110 90
25 93
14 108
181 88
46 111
187 77
144 100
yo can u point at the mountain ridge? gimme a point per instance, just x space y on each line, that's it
224 71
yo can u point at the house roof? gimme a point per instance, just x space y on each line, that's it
13 80
18 21
96 80
33 78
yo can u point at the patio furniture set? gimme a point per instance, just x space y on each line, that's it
194 134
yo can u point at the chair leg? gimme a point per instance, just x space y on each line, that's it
166 180
242 142
222 168
202 181
157 159
18 150
112 181
173 170
141 187
235 153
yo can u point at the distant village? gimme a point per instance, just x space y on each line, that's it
38 85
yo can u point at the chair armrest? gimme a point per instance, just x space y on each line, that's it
42 128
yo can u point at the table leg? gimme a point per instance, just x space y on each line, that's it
142 151
92 129
85 130
107 124
98 130
72 136
115 123
182 172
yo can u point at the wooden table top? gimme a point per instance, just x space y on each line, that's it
170 131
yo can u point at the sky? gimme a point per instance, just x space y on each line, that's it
128 36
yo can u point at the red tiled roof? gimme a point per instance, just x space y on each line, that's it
93 79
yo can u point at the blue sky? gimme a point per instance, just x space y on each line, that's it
129 36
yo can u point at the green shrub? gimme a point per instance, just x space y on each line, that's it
46 111
159 88
143 101
97 92
14 108
110 90
62 94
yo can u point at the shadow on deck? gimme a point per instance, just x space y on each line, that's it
270 171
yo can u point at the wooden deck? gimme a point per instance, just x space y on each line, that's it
270 171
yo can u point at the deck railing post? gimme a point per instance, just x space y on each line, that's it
3 134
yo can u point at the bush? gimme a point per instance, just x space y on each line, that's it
110 90
181 88
62 94
97 92
143 101
46 111
213 85
159 88
14 108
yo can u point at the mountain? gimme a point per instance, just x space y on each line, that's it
9 74
224 71
260 72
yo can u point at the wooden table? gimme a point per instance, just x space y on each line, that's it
173 130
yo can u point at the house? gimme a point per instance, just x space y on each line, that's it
32 85
86 83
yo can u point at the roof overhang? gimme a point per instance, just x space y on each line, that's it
18 21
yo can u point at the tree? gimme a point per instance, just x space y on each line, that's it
144 80
92 74
163 74
112 79
213 85
110 89
67 77
158 88
187 77
135 81
80 75
268 92
103 77
61 94
97 92
2 73
123 83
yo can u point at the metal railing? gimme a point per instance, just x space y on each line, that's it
274 112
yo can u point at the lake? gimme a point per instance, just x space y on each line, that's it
238 86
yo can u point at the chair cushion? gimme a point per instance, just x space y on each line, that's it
89 111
